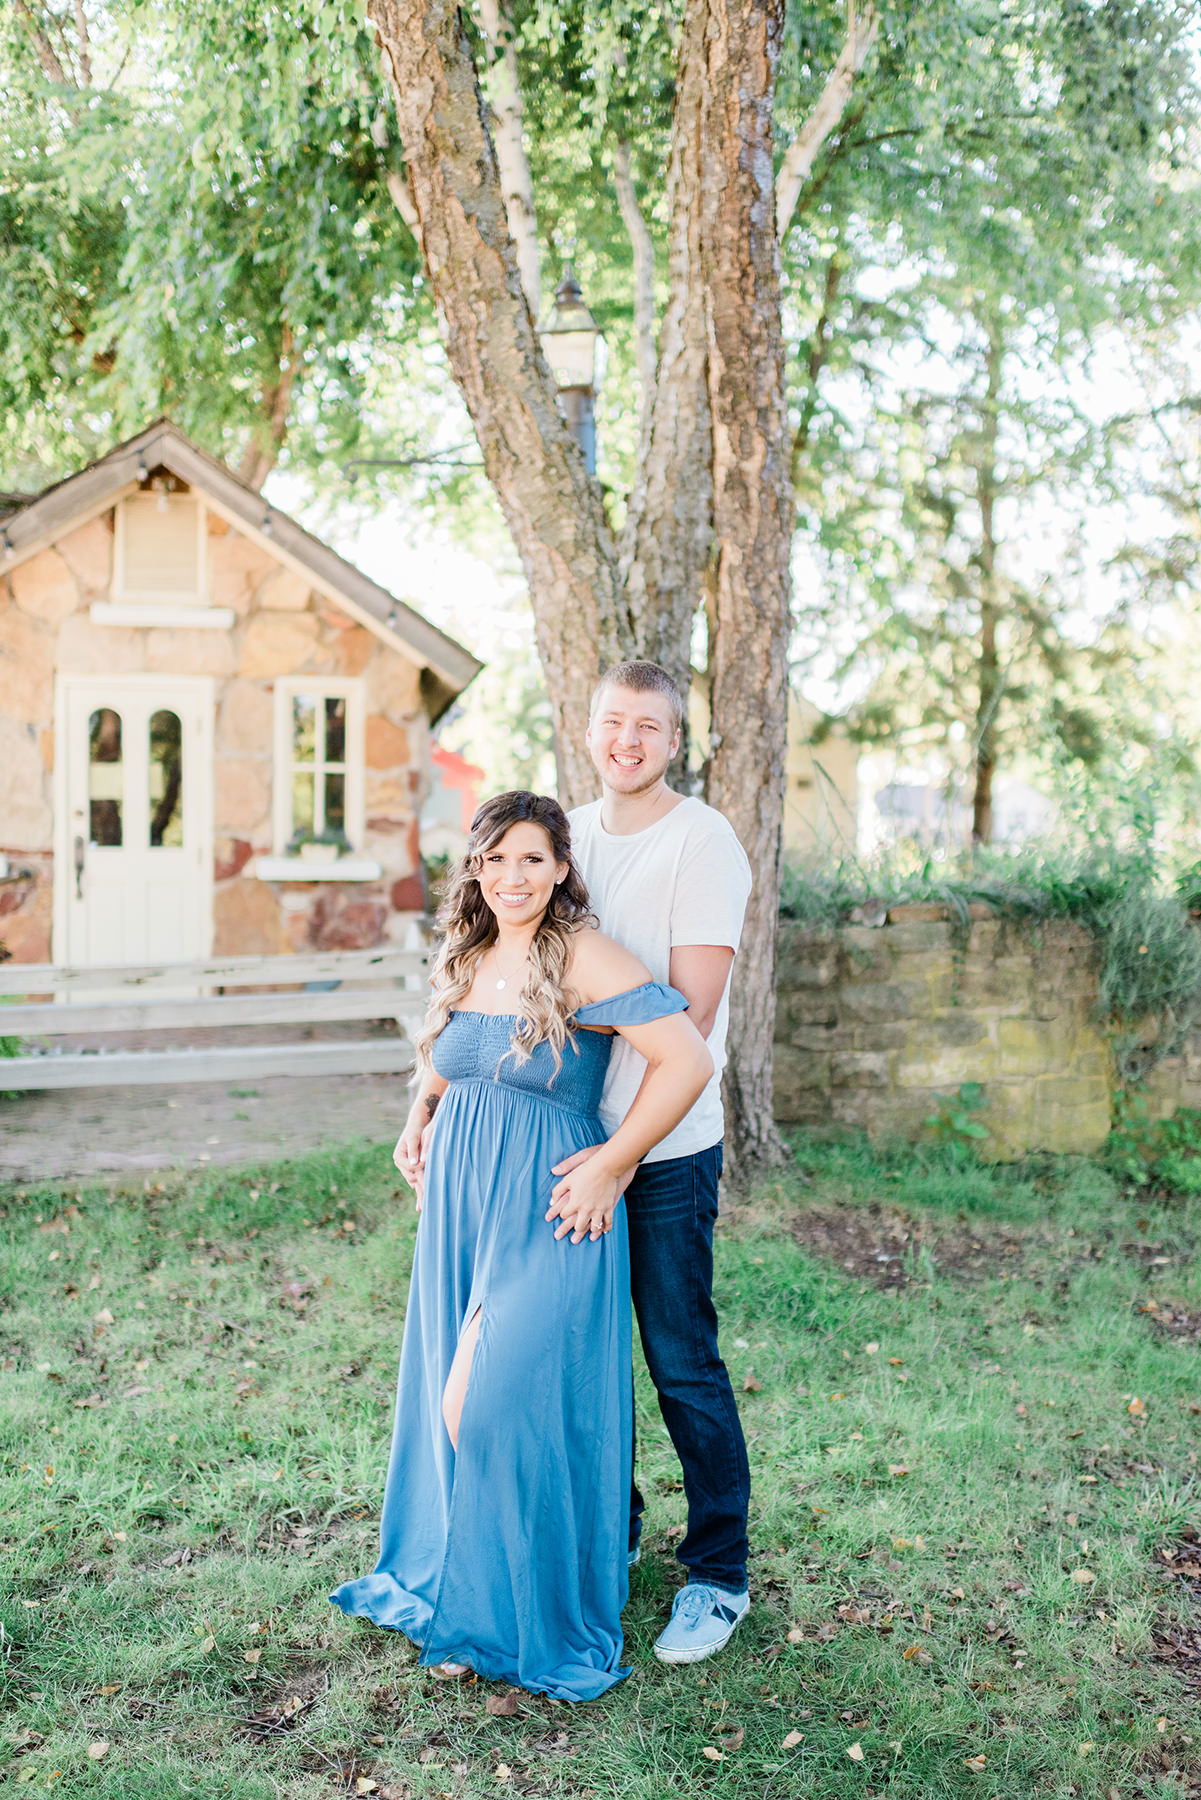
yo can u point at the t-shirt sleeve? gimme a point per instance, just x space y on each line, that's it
711 890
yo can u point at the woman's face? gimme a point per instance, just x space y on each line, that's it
518 875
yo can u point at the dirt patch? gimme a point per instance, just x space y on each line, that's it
1172 1321
285 1709
884 1245
1179 1646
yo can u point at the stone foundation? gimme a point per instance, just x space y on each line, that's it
874 1024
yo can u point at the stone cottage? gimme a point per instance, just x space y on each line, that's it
214 731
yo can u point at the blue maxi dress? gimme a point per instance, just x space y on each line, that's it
510 1555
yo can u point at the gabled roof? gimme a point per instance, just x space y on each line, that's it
446 666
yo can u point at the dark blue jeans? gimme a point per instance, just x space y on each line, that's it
672 1208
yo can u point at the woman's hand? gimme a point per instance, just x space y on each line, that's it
413 1148
585 1200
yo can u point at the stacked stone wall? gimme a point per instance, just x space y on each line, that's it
874 1024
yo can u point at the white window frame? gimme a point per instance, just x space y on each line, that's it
121 592
322 687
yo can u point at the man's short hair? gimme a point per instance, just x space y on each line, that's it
642 678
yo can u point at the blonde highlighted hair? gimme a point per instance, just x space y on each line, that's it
546 1003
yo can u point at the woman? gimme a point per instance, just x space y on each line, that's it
505 1514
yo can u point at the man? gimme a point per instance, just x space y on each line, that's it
670 881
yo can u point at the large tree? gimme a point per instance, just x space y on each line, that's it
711 499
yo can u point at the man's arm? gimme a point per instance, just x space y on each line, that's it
700 972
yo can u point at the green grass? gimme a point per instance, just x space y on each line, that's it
197 1384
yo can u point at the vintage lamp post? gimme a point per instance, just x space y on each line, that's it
571 339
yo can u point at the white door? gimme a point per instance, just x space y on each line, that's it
135 859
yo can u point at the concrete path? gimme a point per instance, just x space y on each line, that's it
50 1136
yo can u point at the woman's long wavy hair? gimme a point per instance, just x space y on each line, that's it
545 1004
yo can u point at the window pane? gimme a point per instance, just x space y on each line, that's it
106 776
335 730
335 803
304 728
166 781
302 803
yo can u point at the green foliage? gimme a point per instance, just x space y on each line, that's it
951 1122
1163 1155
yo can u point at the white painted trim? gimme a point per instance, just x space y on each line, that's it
322 686
162 612
138 497
296 868
203 687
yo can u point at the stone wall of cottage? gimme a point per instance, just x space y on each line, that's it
874 1024
282 627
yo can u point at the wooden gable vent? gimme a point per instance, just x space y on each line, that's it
160 543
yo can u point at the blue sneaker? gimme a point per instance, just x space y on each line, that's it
634 1556
702 1621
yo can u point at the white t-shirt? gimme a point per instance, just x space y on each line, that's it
683 880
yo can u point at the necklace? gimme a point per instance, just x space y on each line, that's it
502 981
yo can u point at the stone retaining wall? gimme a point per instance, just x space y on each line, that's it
874 1023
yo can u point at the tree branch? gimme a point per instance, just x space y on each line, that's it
266 442
643 246
503 87
862 32
46 53
553 507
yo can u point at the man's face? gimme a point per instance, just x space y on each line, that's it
631 739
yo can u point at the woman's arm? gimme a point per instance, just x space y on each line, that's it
413 1142
678 1068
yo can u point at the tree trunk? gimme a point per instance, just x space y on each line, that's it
752 523
990 680
552 506
669 527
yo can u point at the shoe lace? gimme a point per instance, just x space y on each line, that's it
695 1601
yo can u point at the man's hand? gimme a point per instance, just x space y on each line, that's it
575 1203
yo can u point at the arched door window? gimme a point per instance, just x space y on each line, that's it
106 777
166 781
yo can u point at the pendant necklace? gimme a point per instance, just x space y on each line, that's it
502 981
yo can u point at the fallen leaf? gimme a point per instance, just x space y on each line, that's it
365 1785
796 1635
114 1687
898 1468
501 1706
1083 1749
792 1740
1136 1407
733 1739
1161 1724
503 1771
207 1644
251 1656
975 1762
870 1349
98 1749
896 1362
752 1385
712 1754
855 1752
1082 1577
103 1317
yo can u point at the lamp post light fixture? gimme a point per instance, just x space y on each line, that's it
571 339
